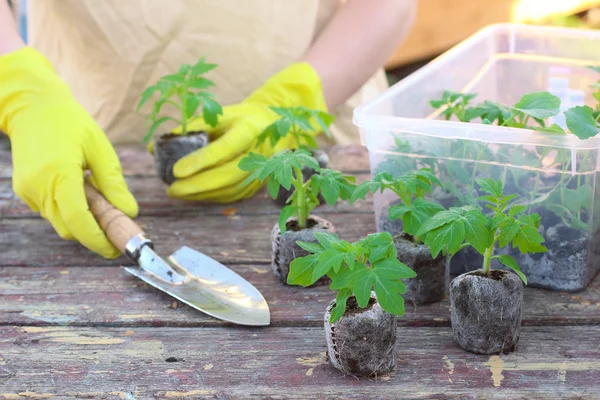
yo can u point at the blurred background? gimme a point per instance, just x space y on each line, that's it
441 24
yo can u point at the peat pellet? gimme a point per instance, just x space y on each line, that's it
363 341
285 248
485 311
170 148
431 283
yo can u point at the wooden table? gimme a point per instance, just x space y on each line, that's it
74 325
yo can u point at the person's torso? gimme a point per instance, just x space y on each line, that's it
109 51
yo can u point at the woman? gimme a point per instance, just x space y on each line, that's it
323 55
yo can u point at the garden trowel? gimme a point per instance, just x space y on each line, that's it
187 275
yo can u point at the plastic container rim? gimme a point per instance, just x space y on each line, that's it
364 120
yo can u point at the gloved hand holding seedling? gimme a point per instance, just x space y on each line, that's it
360 343
295 221
185 91
412 211
486 304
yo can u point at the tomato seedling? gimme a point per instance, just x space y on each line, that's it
410 188
184 90
459 227
354 269
284 169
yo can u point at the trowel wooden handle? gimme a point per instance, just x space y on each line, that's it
119 228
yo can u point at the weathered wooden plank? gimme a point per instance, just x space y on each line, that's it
153 201
285 363
135 161
108 296
235 238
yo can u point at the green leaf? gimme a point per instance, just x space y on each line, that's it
310 247
329 259
388 296
201 67
340 304
146 94
512 264
286 213
528 240
441 218
347 278
360 192
211 111
273 188
415 216
325 239
594 67
392 268
476 231
155 126
301 270
252 162
539 105
580 121
398 211
200 83
377 253
330 191
362 287
191 105
516 210
491 186
509 228
447 237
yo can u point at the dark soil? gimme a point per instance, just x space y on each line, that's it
170 148
486 311
323 160
431 283
567 266
352 306
285 248
362 343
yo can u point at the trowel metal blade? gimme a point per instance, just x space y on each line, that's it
212 288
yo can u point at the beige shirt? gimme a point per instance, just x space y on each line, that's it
109 51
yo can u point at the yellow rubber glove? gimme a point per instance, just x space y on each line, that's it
212 173
53 141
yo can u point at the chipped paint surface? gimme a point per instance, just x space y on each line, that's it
136 316
496 365
312 362
450 365
187 394
27 395
208 367
49 317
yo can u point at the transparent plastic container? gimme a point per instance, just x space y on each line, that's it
557 175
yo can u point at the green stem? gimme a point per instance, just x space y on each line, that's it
183 99
487 259
301 197
509 119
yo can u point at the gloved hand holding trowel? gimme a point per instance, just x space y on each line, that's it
106 64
